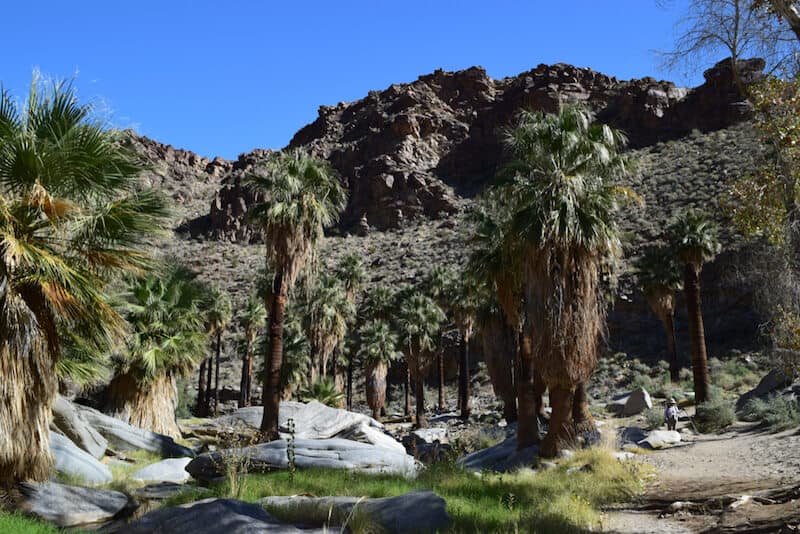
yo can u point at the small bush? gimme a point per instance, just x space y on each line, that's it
654 418
324 391
777 413
714 415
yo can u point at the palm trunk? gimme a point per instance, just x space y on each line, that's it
216 375
150 406
312 367
376 387
350 384
272 381
440 375
406 392
702 380
419 393
463 376
674 364
581 416
249 386
244 382
200 402
27 391
561 424
209 383
530 389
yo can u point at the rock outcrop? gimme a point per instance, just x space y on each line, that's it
417 149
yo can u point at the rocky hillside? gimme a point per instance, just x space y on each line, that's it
416 149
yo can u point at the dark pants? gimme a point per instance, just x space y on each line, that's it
671 424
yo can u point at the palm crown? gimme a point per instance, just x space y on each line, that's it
694 237
656 270
419 319
378 342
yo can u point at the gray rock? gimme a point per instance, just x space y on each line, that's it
169 470
416 511
631 435
68 421
73 461
212 516
164 490
122 436
638 401
501 457
69 506
309 453
772 383
659 439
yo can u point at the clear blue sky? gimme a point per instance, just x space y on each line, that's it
225 76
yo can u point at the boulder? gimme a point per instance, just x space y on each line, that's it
164 490
69 506
122 436
416 511
771 384
169 470
73 461
69 422
659 439
309 453
637 402
501 457
212 516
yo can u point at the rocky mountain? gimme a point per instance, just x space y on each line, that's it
417 149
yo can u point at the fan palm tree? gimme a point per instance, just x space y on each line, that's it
71 220
499 343
497 259
328 312
659 278
350 271
218 313
302 195
168 340
296 360
693 238
420 319
377 349
563 209
251 318
438 285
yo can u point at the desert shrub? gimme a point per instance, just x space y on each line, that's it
777 412
714 415
324 391
654 418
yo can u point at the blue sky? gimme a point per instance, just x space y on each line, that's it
223 77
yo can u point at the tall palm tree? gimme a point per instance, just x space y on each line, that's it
659 277
378 347
563 204
693 237
218 313
251 318
352 274
499 343
302 195
71 220
464 301
378 304
438 284
420 319
168 339
296 360
328 312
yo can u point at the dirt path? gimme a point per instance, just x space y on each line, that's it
710 475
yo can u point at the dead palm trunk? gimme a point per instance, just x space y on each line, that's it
702 380
530 390
312 367
463 375
500 352
27 390
244 384
376 387
216 375
581 416
561 430
200 402
150 405
272 380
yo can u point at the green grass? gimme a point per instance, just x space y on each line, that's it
19 524
525 501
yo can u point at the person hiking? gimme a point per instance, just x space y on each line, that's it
671 414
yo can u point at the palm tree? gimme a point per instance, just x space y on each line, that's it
378 348
71 220
659 278
439 285
251 318
350 271
218 313
419 321
296 360
168 339
328 312
301 195
562 205
693 238
464 302
499 343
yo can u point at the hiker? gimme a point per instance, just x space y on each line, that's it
671 414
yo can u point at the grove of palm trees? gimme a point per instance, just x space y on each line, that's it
558 301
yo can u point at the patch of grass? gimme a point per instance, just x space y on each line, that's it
122 471
714 415
20 524
525 501
776 413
